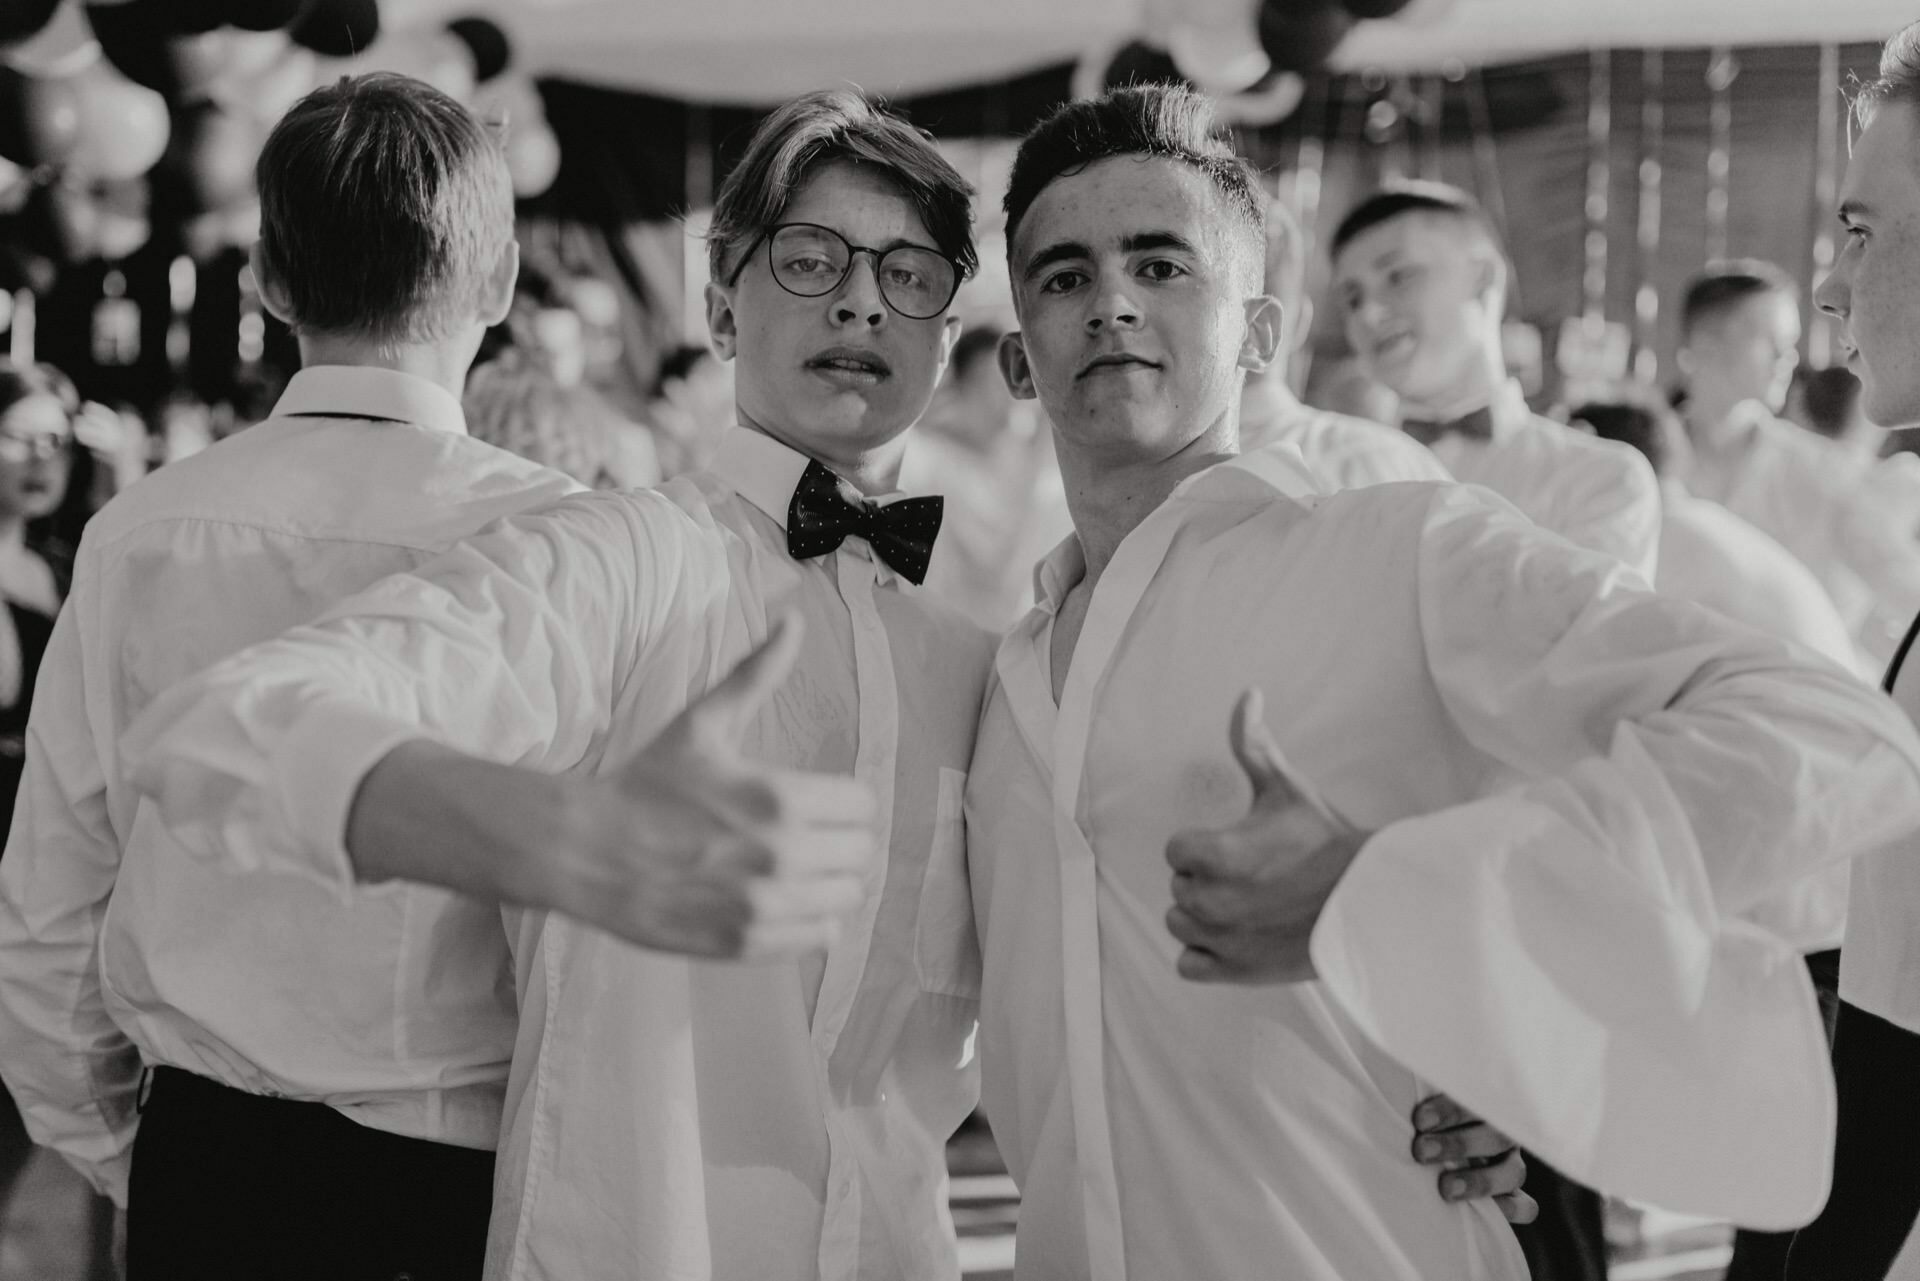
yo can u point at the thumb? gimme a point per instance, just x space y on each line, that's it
721 715
1258 754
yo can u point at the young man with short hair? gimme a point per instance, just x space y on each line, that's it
1525 796
1421 285
669 1115
1847 517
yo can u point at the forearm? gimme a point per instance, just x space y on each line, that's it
429 813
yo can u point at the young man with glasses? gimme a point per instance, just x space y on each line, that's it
776 1121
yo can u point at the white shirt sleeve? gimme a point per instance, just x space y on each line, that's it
73 1073
1617 510
1563 956
508 646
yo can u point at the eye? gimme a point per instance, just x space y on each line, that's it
1062 281
1162 270
906 277
1398 276
806 265
1855 232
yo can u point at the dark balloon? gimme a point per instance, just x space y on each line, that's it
337 28
136 39
1300 37
492 53
1374 8
22 18
39 119
1139 64
262 15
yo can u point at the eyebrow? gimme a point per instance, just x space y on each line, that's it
1156 240
1061 251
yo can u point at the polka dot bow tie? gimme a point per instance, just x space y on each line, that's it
1477 425
901 533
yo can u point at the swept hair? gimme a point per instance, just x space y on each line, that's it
838 124
1899 78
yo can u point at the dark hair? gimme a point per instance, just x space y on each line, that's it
1168 121
1899 78
384 208
1725 285
1830 396
1629 423
19 382
679 363
1409 197
839 124
975 344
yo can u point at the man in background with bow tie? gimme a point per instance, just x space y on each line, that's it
667 1115
1421 284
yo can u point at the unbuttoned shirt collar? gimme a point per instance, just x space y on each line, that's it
765 472
1274 471
364 391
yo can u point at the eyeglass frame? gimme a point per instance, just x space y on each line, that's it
766 234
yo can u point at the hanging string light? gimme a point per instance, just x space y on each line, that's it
1722 68
1646 297
1826 190
1593 282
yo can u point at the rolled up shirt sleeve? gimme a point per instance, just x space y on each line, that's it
508 646
1564 954
71 1071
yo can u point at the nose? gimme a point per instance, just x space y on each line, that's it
858 297
1113 309
1834 294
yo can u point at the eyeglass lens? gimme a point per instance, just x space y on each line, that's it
811 261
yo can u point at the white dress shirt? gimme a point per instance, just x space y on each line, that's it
666 1118
1598 493
391 1003
1880 958
1345 452
1573 784
1849 518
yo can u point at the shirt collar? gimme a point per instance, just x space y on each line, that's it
1274 471
362 391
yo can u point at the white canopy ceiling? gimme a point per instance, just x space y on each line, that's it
751 51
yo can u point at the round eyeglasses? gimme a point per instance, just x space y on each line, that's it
811 261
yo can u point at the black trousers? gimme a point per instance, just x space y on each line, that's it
230 1186
1876 1159
1568 1241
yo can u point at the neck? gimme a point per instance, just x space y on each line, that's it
1707 406
1109 499
1473 387
13 531
444 364
871 471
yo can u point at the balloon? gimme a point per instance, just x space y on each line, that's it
1300 37
123 126
138 42
39 119
75 222
262 15
265 95
487 43
64 47
1374 8
22 18
435 57
533 158
337 28
209 161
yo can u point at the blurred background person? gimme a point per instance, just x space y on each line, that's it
691 407
518 406
1847 517
991 458
1346 451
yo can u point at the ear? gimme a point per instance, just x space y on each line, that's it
1298 327
1491 282
1015 368
722 325
949 335
497 301
1261 346
273 292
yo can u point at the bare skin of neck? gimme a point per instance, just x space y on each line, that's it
444 364
1108 500
1473 388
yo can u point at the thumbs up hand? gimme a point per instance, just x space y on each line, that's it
1246 897
706 853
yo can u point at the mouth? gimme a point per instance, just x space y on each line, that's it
850 365
1394 347
1118 362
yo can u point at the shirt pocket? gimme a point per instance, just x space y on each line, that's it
946 945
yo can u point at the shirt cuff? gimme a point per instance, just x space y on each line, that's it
318 771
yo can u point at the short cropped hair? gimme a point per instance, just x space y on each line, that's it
385 207
1168 121
1640 423
1725 285
1411 196
20 382
1899 78
816 129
